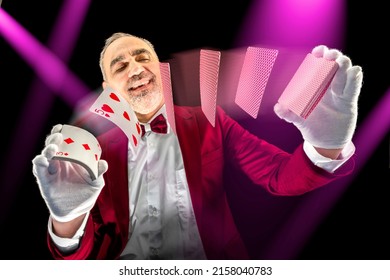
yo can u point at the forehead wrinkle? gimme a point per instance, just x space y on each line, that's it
140 51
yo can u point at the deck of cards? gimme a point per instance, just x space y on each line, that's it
308 85
81 147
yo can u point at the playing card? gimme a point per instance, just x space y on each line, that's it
208 78
308 85
255 72
80 146
112 106
167 90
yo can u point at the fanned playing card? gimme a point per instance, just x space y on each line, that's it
167 90
208 78
81 147
308 85
112 106
255 72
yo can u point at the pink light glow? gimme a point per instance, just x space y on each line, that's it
294 23
62 40
45 64
303 222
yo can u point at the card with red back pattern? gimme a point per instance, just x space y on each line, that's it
208 79
308 85
255 72
167 90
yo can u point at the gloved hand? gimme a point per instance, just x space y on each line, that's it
332 123
66 187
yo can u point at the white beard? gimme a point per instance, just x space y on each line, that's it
145 102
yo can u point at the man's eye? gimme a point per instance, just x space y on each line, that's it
143 59
120 69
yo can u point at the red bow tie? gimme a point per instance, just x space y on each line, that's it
158 125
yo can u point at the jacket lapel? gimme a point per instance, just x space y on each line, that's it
116 155
187 130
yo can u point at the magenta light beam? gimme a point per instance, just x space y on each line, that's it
294 23
46 65
298 24
64 36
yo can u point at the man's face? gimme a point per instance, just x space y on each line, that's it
133 69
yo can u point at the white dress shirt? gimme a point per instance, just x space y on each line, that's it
162 220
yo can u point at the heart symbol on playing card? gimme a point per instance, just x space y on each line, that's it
126 115
114 96
137 125
107 108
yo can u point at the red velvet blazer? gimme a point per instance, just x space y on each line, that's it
206 150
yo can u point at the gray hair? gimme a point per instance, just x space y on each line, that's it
114 37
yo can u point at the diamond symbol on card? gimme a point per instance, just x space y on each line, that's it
86 147
68 141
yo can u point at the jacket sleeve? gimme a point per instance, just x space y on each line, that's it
279 172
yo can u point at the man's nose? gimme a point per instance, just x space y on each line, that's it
135 69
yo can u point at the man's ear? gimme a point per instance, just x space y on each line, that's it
104 84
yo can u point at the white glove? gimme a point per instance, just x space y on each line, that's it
332 123
66 187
